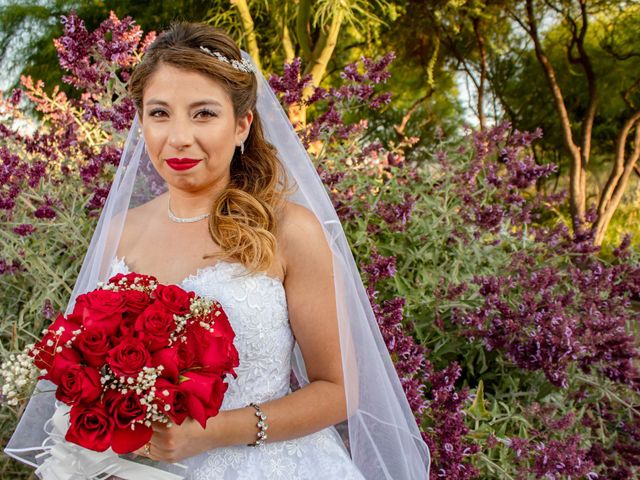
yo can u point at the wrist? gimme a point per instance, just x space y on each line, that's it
260 420
216 434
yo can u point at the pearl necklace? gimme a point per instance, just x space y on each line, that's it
173 218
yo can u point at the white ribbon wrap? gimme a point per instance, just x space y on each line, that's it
62 460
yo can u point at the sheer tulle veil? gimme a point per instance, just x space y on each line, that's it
381 435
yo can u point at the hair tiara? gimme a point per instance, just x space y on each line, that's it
244 66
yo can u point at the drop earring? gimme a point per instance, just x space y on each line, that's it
242 148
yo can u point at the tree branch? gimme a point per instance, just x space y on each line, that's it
619 178
627 93
483 69
587 123
577 197
249 30
302 28
407 116
619 161
324 49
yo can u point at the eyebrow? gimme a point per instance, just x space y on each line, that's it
199 103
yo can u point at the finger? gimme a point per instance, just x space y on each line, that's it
142 451
161 427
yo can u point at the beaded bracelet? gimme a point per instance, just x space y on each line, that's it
262 425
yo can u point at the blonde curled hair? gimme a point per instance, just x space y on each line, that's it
243 217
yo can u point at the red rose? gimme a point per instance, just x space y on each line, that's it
79 384
135 303
174 298
170 394
169 359
90 427
154 326
128 358
66 326
213 351
67 358
124 408
60 331
216 354
130 278
187 350
101 309
221 325
94 345
205 393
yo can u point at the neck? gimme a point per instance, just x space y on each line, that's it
191 204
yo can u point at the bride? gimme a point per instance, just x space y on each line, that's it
215 193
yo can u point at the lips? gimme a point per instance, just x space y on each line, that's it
182 163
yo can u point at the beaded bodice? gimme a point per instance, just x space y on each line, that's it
257 309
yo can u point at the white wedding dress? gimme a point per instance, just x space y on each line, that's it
257 309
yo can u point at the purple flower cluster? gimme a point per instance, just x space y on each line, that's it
90 57
408 355
396 215
446 431
292 83
296 90
48 311
555 459
24 229
548 318
494 184
441 415
551 450
621 458
46 210
10 267
90 173
96 58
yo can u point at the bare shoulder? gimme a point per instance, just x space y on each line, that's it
301 235
297 223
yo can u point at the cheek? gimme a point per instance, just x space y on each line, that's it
153 140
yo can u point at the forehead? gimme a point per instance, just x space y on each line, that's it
176 86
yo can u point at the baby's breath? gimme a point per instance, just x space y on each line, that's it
18 376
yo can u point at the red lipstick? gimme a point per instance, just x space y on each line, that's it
182 163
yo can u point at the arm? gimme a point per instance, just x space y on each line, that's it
312 314
309 286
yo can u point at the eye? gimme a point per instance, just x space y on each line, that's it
206 113
157 113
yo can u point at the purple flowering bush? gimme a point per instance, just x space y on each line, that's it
516 341
55 173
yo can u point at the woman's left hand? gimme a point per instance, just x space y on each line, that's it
175 443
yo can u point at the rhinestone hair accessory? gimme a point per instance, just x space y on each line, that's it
244 65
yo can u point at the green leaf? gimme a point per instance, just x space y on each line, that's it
478 409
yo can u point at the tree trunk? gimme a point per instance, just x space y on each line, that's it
319 59
249 30
483 69
619 178
577 184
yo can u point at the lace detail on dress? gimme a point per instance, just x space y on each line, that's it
256 305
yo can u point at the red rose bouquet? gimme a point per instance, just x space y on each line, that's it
134 352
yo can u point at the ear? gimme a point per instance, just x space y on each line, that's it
243 126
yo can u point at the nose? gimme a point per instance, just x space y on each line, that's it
181 134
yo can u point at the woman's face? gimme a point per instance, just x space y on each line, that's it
190 129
